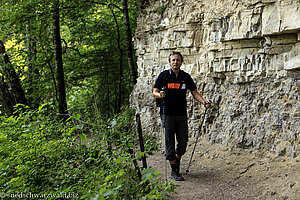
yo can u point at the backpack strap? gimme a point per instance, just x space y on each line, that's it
167 79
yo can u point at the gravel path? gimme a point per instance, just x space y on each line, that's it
218 173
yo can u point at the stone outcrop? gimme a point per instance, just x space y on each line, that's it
243 55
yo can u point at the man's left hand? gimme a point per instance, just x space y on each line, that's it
207 104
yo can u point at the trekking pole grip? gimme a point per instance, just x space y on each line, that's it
207 102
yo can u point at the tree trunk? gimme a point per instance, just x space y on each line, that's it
33 72
6 98
129 43
62 103
107 88
11 88
119 99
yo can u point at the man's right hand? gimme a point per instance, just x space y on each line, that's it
157 93
162 94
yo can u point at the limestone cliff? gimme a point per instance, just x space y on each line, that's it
243 55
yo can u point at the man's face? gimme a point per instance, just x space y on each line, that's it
175 62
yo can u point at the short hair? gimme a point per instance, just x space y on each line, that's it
174 53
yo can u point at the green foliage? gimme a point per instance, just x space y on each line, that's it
155 189
39 155
93 159
151 144
95 65
161 10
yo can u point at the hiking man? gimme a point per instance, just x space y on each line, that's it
170 87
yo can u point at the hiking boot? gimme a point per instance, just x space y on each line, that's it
176 176
175 172
177 165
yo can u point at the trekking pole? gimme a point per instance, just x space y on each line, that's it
164 132
187 170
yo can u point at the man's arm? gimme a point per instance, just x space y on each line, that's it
199 98
157 93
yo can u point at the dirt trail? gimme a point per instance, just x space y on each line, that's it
219 173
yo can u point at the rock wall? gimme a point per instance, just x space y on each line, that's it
243 55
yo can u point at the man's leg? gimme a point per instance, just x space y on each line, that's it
182 139
170 138
170 147
181 135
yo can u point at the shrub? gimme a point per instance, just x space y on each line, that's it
49 159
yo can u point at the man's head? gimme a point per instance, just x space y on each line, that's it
175 59
175 53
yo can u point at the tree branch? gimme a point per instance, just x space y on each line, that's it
106 4
65 49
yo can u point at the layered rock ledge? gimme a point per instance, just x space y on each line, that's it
243 55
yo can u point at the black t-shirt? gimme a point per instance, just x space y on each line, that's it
176 87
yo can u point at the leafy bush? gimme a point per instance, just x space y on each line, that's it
42 156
